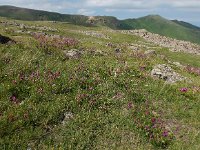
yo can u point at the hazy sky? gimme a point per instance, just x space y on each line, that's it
186 10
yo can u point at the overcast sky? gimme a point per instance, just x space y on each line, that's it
185 10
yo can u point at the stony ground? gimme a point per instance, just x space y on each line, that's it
71 87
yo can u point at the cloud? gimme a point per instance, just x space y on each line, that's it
49 5
142 4
85 12
104 4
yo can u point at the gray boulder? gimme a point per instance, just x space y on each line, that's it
165 72
73 53
67 117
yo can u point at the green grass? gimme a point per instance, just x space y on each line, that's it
183 58
107 95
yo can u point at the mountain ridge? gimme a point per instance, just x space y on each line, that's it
153 23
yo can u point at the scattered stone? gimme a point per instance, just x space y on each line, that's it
163 57
97 34
109 44
150 52
67 117
165 72
22 26
73 53
99 53
134 48
173 44
178 64
118 50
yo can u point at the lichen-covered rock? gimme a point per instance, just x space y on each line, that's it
73 53
165 72
67 117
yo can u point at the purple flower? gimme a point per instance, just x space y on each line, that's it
165 133
130 105
184 89
14 99
153 120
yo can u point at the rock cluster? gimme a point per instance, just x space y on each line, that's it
95 34
24 27
140 45
94 20
165 72
42 28
9 23
173 44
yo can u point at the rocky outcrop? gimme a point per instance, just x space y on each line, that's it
24 27
165 72
173 44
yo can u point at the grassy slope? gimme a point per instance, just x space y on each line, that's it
101 119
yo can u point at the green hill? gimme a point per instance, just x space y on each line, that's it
153 23
186 24
162 26
37 15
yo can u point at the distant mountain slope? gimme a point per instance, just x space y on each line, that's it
37 15
153 23
185 24
162 26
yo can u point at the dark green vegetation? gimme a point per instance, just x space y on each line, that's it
152 23
112 101
185 24
37 15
